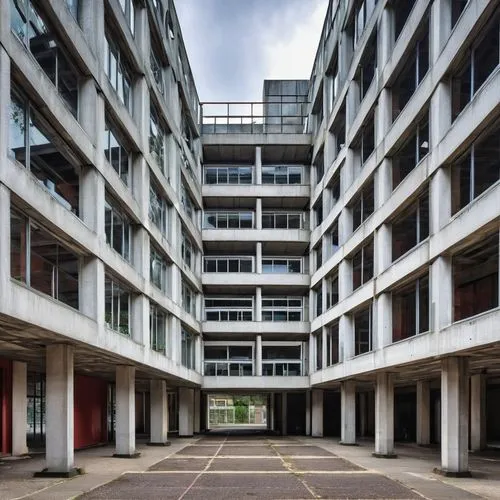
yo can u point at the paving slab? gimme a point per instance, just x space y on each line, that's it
312 451
322 464
177 463
199 451
247 464
247 451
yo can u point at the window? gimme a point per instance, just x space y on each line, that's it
282 174
363 331
401 13
228 175
362 12
158 209
476 171
412 152
332 344
228 220
332 290
228 265
281 308
116 68
363 204
318 300
116 306
156 140
410 309
157 329
281 360
318 211
282 220
367 67
188 299
157 269
128 9
319 165
187 133
338 130
36 146
41 41
187 202
234 361
478 64
116 154
73 7
457 7
156 69
228 309
412 73
40 261
281 265
318 339
118 229
187 349
475 278
188 251
411 227
365 144
362 265
332 237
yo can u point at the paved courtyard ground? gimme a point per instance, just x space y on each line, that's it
235 466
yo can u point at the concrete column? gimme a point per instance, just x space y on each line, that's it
441 293
423 413
198 353
92 22
440 27
258 356
258 214
140 320
4 237
196 411
440 112
308 413
258 303
317 413
383 115
384 416
345 279
346 337
385 34
478 412
439 199
284 411
312 354
59 431
383 321
186 412
141 251
91 287
258 165
125 412
19 407
383 182
173 338
348 412
159 413
87 97
92 197
258 258
324 333
454 417
383 248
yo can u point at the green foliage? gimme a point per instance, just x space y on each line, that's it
240 414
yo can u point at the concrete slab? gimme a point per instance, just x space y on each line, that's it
247 451
181 464
311 451
322 464
199 451
247 464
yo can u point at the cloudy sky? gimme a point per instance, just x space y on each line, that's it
233 45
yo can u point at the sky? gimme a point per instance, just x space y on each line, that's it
233 45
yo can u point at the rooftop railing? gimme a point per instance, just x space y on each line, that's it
285 114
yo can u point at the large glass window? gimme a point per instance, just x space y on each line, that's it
281 360
367 67
158 209
475 278
332 289
282 265
283 220
156 139
34 144
228 220
401 13
363 205
332 344
187 349
187 203
282 174
365 143
118 229
363 331
116 154
156 69
38 36
228 175
228 309
116 68
281 308
234 361
410 309
478 64
40 261
411 227
188 299
116 305
476 171
228 264
158 269
362 265
128 9
188 251
157 329
411 152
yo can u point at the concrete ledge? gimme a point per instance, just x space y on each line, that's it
384 455
166 443
127 455
449 473
76 471
348 444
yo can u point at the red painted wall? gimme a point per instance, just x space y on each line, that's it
6 406
90 411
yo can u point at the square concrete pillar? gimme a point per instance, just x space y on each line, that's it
186 412
196 410
257 179
383 183
284 412
258 258
308 413
140 320
454 417
4 237
348 413
258 214
441 284
383 321
270 412
159 413
478 412
423 412
59 432
258 356
125 412
346 337
258 304
384 416
19 407
317 413
383 248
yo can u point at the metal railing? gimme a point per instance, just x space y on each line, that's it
280 114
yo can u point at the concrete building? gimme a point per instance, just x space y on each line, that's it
334 247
